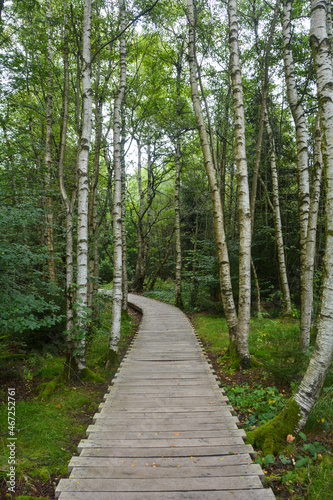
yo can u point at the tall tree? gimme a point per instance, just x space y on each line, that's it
83 190
221 243
117 205
298 113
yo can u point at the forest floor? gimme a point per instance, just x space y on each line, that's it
42 459
304 469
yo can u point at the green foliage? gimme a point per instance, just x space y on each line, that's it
258 404
276 344
30 307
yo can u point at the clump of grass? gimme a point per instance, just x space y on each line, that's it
213 331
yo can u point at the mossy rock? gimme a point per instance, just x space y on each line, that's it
271 437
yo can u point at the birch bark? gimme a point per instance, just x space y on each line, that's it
302 153
69 204
83 189
312 383
221 244
123 211
244 306
178 291
117 229
277 219
306 317
48 150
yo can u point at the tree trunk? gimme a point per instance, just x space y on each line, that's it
221 244
117 226
123 211
178 291
277 220
244 306
306 316
302 153
48 151
139 272
92 216
69 207
83 191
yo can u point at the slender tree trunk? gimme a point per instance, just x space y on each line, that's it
178 291
69 206
277 220
123 211
138 282
93 234
262 108
117 229
221 244
83 190
302 154
306 316
244 306
312 383
48 151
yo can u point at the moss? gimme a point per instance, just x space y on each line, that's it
232 356
271 437
87 374
47 389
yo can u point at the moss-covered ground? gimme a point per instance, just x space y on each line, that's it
48 430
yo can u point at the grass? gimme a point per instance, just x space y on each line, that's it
48 431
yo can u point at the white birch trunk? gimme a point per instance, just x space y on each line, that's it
178 291
48 151
244 307
306 317
83 188
69 204
312 383
123 213
221 243
302 152
117 229
277 220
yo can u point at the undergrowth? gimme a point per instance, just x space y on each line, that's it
48 431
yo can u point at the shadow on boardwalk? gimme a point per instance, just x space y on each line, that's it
165 429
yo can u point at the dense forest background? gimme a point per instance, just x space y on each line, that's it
33 214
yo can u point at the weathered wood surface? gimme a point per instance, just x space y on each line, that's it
165 430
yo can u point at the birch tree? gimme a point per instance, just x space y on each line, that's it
221 243
298 114
48 149
244 306
117 215
83 191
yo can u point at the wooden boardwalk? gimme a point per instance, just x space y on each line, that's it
165 429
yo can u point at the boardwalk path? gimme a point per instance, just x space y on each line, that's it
165 430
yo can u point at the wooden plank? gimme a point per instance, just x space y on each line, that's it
159 443
160 484
101 432
151 471
255 494
188 461
179 451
